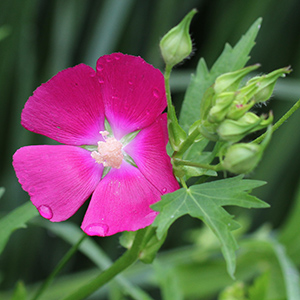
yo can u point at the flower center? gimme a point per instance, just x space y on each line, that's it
109 152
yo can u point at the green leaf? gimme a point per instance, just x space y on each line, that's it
15 220
20 292
289 272
230 60
168 282
258 291
206 201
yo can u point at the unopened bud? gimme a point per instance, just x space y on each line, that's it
236 111
209 130
266 84
176 45
230 81
235 130
220 109
242 158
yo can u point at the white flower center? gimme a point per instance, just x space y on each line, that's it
109 152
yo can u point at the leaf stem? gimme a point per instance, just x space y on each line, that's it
193 135
58 268
280 121
128 258
197 165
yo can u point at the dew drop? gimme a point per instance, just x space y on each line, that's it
130 82
45 211
108 59
97 229
117 56
100 67
31 191
164 190
155 93
151 215
147 111
100 80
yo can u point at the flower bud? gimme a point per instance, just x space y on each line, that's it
242 158
230 81
235 130
209 130
236 111
176 45
222 104
266 84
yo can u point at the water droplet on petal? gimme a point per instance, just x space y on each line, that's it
164 190
155 93
45 211
151 215
31 191
117 56
108 59
130 82
100 80
100 67
147 111
97 229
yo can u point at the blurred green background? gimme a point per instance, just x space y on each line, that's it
41 37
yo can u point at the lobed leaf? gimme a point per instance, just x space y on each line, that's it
205 202
230 60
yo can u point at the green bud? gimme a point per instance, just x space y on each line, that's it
209 130
230 81
176 45
222 104
266 84
236 111
207 103
235 130
242 158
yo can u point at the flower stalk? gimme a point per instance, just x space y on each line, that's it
280 121
58 268
127 259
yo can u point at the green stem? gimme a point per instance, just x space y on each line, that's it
194 134
58 268
127 259
280 121
197 165
167 85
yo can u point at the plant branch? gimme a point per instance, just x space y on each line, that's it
280 121
127 259
58 268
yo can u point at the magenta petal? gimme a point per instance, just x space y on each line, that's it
121 203
148 150
133 92
58 178
68 108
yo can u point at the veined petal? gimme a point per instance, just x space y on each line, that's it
58 178
68 108
133 92
148 150
121 202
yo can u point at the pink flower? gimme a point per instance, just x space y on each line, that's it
71 108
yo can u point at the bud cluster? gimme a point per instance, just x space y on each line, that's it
225 114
